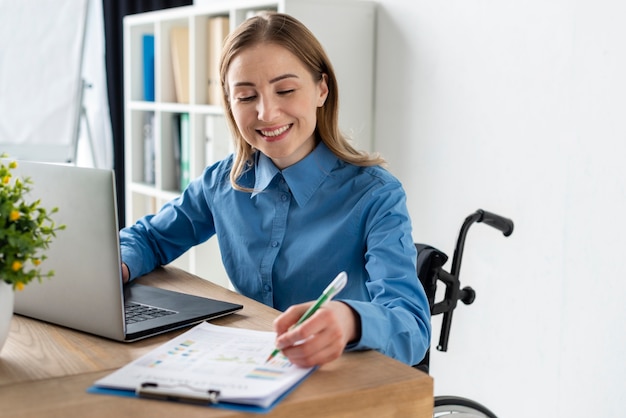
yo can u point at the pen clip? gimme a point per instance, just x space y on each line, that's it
179 393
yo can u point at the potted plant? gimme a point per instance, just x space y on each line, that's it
26 230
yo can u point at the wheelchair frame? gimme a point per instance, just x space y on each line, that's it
430 270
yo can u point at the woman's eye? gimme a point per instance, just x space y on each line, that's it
245 99
285 92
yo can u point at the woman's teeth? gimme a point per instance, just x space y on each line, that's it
275 132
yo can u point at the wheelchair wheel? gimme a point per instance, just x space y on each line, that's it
457 407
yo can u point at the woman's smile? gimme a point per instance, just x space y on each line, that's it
275 133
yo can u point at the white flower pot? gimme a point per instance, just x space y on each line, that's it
6 311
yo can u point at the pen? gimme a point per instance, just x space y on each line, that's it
331 290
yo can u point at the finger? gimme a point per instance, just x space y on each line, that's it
287 319
319 349
318 339
309 328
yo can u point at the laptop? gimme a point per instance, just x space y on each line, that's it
86 292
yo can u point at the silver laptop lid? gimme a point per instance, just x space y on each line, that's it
86 291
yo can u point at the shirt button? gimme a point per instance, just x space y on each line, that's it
284 197
274 243
267 287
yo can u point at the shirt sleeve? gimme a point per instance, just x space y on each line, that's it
156 240
396 320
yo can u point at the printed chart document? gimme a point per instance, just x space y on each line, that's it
229 362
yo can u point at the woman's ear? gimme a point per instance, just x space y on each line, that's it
323 90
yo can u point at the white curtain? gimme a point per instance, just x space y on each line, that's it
95 99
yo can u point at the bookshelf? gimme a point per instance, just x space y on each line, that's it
172 118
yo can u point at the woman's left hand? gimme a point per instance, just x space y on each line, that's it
318 340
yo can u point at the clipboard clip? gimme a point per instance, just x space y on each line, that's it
178 393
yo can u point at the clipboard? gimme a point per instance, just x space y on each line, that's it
209 365
210 400
186 393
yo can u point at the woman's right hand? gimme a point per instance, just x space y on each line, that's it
125 273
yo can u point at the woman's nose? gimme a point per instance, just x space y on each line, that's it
267 109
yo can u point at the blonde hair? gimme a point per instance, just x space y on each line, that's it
286 31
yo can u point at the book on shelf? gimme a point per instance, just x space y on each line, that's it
148 148
148 66
179 40
150 205
176 147
212 365
217 143
185 151
217 30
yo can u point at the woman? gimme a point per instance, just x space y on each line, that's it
295 205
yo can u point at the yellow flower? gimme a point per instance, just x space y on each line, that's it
36 261
13 164
14 215
6 179
17 265
19 286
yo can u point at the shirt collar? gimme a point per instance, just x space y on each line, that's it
303 178
264 173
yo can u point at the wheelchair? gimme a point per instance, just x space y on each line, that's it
430 271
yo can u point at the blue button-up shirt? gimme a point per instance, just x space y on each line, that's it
283 243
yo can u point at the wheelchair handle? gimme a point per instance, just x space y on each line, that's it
454 293
501 223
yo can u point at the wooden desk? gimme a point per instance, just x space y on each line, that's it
45 371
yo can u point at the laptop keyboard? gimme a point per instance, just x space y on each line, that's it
137 312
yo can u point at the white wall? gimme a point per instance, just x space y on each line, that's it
517 107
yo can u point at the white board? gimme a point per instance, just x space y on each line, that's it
41 48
